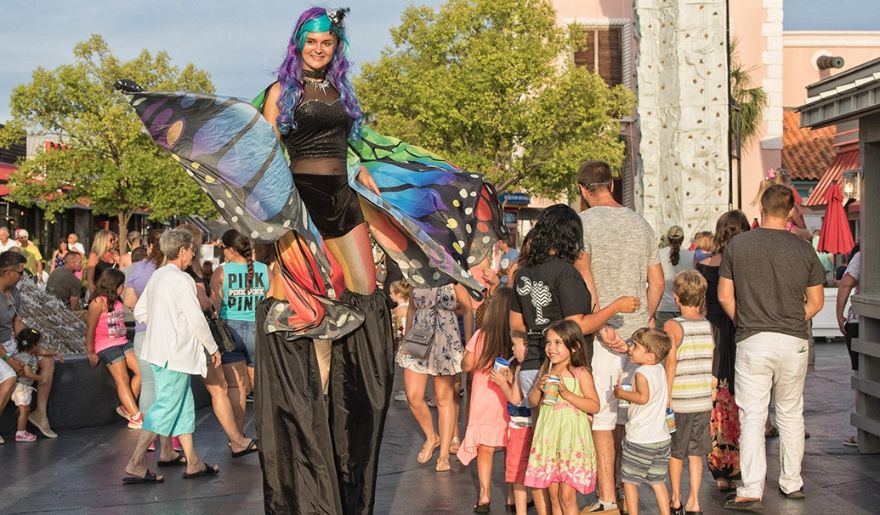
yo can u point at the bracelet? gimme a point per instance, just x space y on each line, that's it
6 358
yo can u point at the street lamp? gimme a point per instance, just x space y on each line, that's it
851 184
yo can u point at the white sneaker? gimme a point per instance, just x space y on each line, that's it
400 396
2 441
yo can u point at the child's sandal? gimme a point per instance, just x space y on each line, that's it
442 465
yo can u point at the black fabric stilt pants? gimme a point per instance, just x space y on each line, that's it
319 458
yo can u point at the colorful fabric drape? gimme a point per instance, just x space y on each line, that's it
432 218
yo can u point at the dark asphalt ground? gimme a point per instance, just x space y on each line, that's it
81 471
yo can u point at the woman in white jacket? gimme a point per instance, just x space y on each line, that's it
176 339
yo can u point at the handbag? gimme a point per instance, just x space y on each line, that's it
417 341
221 332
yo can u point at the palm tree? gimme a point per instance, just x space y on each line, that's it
746 111
747 103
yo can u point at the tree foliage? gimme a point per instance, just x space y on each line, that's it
751 101
492 86
107 157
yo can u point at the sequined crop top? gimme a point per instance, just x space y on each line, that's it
322 126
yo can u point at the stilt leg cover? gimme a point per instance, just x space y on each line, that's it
296 451
361 378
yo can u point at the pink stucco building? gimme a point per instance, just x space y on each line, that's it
782 62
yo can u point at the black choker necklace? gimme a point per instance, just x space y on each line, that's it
314 74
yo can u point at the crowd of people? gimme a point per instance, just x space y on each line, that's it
599 360
608 362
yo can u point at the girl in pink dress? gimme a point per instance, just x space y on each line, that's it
487 411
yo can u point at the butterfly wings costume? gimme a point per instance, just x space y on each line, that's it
433 219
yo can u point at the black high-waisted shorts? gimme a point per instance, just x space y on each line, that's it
332 204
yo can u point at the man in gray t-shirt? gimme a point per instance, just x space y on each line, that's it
770 285
620 259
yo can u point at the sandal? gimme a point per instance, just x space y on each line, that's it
454 445
725 485
771 433
442 465
427 451
251 447
482 508
148 477
851 442
731 503
207 470
176 462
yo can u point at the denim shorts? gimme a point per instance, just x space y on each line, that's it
244 333
113 354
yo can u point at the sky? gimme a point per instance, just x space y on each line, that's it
241 44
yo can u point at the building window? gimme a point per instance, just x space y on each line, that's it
603 53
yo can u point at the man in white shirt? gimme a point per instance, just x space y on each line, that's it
176 339
5 242
73 244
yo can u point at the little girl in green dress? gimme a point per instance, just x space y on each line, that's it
562 458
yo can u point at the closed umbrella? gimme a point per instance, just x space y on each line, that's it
835 236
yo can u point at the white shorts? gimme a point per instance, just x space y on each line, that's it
6 372
607 368
22 394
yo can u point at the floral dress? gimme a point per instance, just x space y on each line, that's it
723 460
434 313
562 446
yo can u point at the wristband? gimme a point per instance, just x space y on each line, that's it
6 358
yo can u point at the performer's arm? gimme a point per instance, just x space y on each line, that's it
270 107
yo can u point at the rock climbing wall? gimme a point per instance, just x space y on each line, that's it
682 113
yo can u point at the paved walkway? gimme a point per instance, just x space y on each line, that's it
80 472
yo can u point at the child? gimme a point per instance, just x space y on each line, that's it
399 291
689 380
29 350
645 456
106 340
562 457
704 244
487 412
519 430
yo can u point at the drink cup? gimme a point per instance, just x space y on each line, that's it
621 403
551 390
501 364
670 420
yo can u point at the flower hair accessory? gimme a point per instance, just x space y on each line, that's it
771 173
337 15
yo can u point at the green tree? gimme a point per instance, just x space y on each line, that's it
492 86
750 100
107 157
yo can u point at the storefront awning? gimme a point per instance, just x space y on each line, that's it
847 159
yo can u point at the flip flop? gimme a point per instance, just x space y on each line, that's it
731 503
251 448
149 477
207 470
176 462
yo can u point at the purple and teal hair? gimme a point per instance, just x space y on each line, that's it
290 74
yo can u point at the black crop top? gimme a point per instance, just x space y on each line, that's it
322 126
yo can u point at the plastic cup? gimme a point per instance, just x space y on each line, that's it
622 403
551 390
501 364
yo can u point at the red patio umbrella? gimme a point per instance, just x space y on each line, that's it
835 236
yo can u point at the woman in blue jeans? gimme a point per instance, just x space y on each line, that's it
237 288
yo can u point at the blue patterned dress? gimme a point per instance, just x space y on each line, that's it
435 312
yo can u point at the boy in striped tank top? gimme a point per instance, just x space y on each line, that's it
689 374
